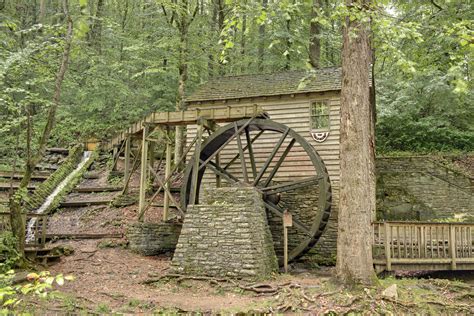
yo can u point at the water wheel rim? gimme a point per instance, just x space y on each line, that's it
219 138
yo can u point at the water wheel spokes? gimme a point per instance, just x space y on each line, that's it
280 164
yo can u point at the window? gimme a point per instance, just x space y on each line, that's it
319 116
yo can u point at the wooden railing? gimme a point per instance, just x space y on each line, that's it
39 228
436 246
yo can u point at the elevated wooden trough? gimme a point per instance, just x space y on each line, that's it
217 114
414 246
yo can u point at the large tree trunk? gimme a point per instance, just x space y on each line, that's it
357 179
17 218
314 36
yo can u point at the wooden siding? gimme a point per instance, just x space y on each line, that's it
292 111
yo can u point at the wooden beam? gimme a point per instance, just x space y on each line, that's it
134 167
143 170
197 160
168 162
126 173
243 165
182 158
270 157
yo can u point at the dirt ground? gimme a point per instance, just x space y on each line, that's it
112 279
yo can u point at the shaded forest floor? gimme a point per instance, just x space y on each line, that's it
112 279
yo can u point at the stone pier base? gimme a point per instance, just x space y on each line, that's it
227 235
151 239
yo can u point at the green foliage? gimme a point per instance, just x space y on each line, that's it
126 59
9 257
39 284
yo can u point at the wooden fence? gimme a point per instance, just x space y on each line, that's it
423 246
39 228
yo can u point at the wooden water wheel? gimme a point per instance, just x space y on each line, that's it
280 164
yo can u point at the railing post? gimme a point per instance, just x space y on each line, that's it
44 227
452 245
387 246
127 160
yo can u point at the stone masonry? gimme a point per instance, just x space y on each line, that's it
420 188
151 239
227 235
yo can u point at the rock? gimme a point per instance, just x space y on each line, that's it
391 292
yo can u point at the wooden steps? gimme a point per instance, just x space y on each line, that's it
84 202
161 205
172 189
19 175
42 255
58 150
96 189
82 236
5 186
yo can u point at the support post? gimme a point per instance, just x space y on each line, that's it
126 173
143 170
452 245
151 158
44 227
287 222
115 153
218 177
197 160
388 238
166 200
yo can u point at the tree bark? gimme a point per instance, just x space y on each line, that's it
314 36
357 178
96 29
183 26
243 43
17 218
261 42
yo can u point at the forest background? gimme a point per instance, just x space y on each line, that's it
132 57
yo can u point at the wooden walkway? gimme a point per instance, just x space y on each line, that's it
414 246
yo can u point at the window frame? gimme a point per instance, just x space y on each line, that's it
311 116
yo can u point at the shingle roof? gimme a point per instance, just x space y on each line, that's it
246 86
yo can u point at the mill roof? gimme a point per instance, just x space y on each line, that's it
270 84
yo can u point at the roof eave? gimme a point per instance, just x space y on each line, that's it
259 96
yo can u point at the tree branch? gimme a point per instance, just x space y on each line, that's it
436 5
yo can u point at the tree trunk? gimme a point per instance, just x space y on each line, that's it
183 25
42 10
314 36
17 217
96 29
288 44
357 179
244 65
261 42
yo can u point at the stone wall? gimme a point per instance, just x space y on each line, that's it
151 239
420 188
408 188
226 235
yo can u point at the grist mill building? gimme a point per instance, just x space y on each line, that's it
306 102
